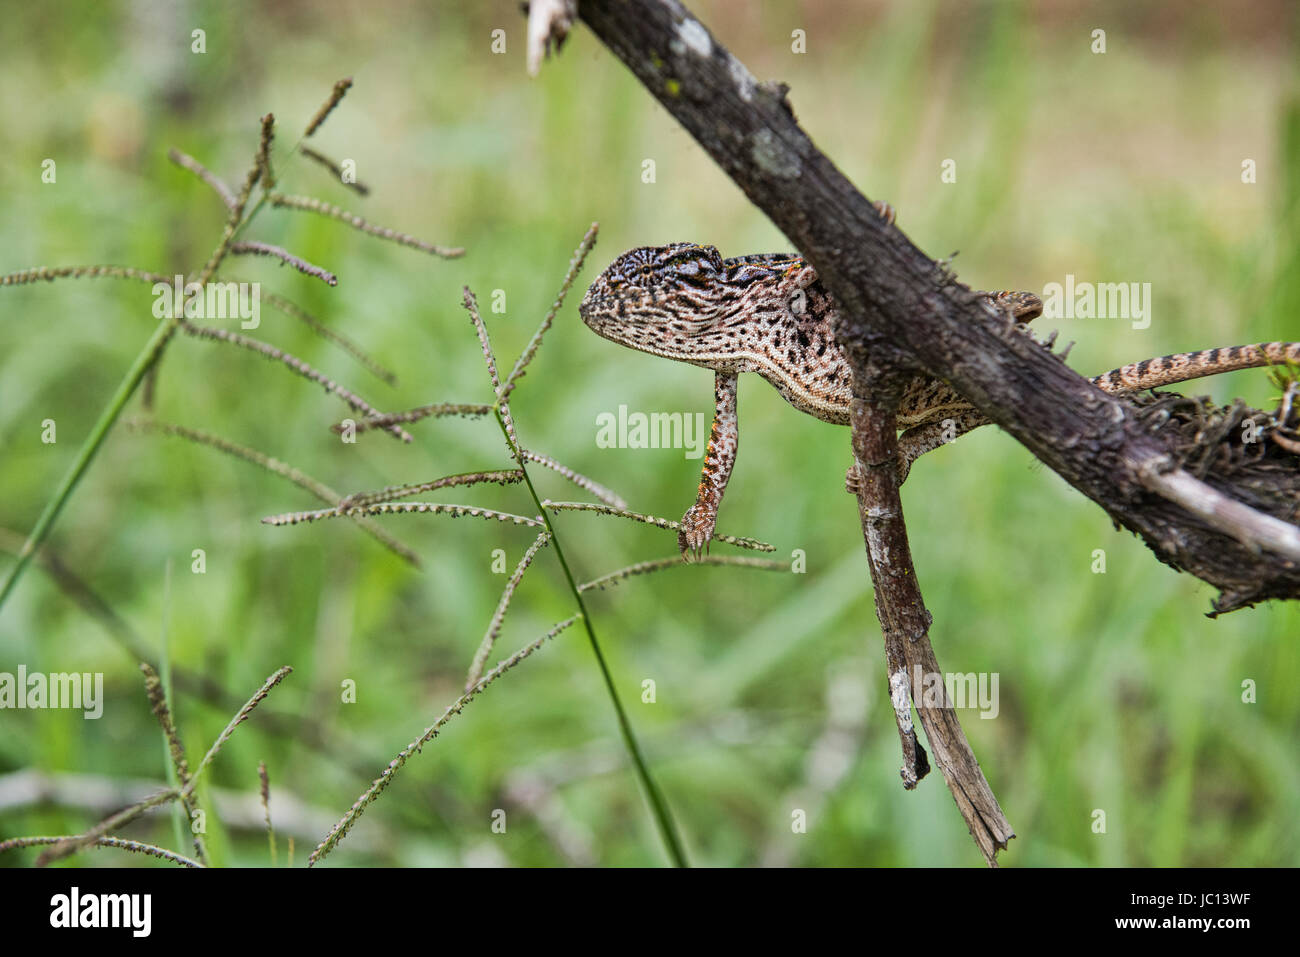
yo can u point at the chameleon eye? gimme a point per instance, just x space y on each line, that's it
694 260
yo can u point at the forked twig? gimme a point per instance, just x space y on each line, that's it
494 626
64 847
575 266
905 622
158 700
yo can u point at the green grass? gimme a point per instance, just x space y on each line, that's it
1116 692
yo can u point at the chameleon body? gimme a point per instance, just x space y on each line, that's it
770 314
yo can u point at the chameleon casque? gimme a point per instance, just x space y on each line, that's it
770 314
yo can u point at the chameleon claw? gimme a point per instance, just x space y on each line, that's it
683 545
694 534
852 481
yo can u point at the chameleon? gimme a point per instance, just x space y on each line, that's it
770 314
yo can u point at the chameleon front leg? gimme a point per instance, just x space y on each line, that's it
699 521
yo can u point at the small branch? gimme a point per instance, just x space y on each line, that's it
254 248
138 847
392 508
609 497
235 221
312 205
158 701
904 620
359 188
548 25
36 792
340 88
392 492
575 265
264 793
186 161
71 845
51 273
1252 528
264 150
661 564
437 410
237 720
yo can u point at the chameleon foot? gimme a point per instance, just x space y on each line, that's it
885 210
853 478
695 532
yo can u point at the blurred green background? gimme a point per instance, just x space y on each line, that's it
1117 693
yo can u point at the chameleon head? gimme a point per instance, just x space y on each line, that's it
1022 306
657 299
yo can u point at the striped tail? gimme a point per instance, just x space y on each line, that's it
1182 366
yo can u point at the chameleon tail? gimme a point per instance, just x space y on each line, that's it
1182 366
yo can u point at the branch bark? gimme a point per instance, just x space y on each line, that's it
905 621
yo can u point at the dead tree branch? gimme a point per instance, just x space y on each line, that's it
904 620
899 304
902 313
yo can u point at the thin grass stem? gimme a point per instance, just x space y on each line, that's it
661 564
103 425
139 847
498 616
340 830
312 205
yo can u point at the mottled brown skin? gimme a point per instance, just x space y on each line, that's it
770 314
